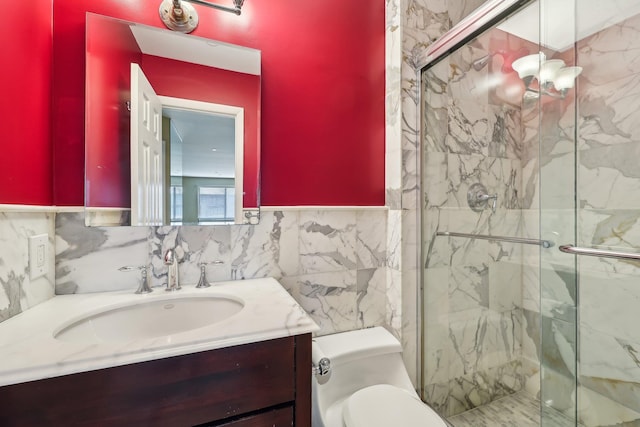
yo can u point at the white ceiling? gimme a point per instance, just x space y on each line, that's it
558 30
196 50
194 136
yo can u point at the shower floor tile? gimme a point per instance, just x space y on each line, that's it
520 409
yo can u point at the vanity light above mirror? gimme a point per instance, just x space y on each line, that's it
180 16
191 72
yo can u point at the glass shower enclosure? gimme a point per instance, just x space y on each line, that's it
530 134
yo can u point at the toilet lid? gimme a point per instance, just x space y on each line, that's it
384 405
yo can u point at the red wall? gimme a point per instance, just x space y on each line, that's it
25 110
322 94
111 48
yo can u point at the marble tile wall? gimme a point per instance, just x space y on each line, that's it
333 262
18 291
419 23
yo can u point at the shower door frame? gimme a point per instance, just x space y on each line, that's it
483 18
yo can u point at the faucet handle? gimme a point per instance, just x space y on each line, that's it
143 287
478 198
203 283
495 202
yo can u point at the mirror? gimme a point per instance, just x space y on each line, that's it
171 127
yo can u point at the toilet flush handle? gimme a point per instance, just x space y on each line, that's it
322 368
321 365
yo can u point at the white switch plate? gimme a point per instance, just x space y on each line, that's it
38 255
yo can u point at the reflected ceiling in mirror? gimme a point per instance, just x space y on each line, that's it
204 143
177 66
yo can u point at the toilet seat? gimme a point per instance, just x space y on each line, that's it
384 405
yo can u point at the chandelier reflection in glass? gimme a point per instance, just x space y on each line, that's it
553 76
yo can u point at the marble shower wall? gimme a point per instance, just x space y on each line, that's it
333 262
17 291
414 24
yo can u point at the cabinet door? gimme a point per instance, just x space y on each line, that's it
179 391
275 418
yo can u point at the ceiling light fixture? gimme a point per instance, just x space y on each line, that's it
554 78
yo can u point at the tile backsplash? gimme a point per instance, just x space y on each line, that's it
333 262
17 291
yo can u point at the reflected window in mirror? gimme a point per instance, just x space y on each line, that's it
216 205
176 205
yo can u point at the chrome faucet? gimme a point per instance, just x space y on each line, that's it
203 283
173 280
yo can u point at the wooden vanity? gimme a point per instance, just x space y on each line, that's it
262 384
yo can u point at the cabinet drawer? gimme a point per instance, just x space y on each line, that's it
185 390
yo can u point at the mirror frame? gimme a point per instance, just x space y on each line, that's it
105 214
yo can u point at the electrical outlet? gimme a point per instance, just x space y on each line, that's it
38 264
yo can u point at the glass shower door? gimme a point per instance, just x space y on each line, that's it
590 199
558 279
607 153
476 214
560 148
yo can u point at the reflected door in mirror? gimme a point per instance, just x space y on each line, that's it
147 157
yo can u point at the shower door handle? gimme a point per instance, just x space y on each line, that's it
576 250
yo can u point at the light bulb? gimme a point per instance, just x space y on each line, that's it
528 65
566 77
548 70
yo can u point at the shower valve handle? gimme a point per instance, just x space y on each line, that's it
478 198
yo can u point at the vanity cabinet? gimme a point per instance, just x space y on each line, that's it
263 384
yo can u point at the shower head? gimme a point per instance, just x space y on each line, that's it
480 63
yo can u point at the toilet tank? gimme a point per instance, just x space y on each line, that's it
359 359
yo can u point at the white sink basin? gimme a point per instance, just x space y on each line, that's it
150 319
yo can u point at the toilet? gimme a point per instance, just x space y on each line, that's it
366 385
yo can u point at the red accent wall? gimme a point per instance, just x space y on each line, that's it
25 110
110 51
322 131
184 80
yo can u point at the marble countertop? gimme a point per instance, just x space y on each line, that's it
29 351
